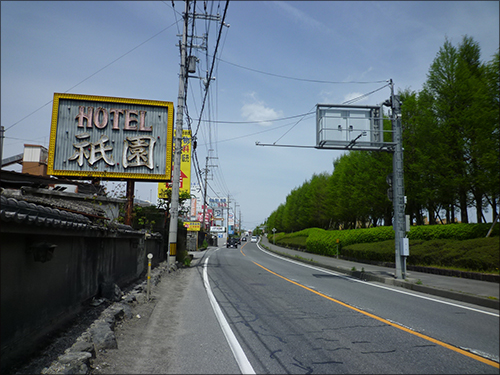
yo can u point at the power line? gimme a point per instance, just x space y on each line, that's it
100 70
365 95
255 133
258 122
209 77
300 79
291 127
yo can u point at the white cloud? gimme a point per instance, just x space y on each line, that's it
366 72
300 17
256 110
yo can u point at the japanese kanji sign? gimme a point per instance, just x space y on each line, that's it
111 138
185 181
192 225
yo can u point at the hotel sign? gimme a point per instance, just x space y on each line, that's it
111 138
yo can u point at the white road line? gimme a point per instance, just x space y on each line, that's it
239 354
375 285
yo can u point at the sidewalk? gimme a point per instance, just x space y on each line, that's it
482 293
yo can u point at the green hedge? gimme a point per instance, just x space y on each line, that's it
325 242
451 231
478 254
455 245
320 241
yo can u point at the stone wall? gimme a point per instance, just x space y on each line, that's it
50 270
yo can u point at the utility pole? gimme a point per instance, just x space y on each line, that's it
227 205
174 207
183 81
205 195
399 224
235 216
206 185
240 222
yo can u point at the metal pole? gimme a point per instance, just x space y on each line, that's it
148 290
130 202
174 208
227 231
2 131
398 185
205 195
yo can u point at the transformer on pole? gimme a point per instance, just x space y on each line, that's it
174 208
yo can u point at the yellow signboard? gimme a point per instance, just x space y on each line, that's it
193 226
185 181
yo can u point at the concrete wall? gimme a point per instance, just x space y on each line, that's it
39 295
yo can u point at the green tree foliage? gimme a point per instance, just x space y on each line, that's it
451 137
464 106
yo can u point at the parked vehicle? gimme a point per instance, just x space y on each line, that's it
232 242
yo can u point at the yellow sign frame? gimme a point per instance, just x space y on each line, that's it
167 175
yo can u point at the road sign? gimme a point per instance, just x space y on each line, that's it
349 127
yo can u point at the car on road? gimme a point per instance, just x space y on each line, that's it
232 242
244 239
254 239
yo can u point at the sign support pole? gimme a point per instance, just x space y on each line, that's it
399 221
130 202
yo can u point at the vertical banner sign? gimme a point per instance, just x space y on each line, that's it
193 208
110 138
185 182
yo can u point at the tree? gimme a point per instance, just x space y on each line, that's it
463 104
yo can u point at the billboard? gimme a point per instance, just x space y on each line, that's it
185 180
217 202
193 226
350 127
217 229
110 138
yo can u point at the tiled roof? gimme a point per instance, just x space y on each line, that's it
22 212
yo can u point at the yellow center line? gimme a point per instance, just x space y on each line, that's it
241 250
448 346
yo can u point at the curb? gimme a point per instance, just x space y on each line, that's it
368 276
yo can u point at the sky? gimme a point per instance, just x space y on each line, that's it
275 62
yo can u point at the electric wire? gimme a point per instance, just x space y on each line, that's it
92 75
292 126
260 132
364 95
345 103
300 79
209 77
260 121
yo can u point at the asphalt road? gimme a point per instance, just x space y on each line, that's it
294 318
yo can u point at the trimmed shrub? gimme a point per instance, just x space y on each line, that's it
451 231
461 246
478 255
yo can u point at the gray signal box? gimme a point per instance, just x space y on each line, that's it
348 127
